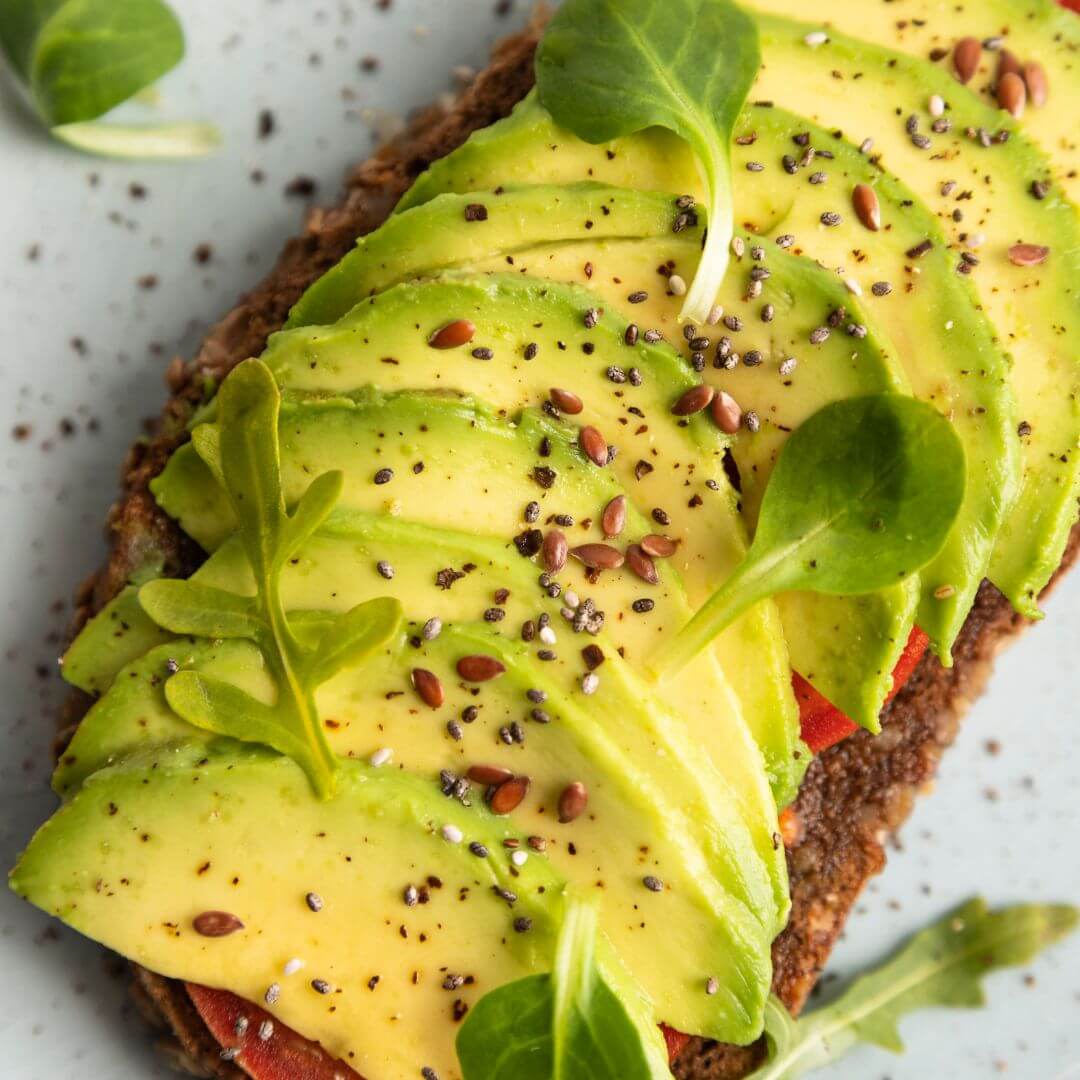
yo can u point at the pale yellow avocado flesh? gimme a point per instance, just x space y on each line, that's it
781 191
974 189
154 842
1042 31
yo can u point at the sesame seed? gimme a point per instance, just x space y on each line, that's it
293 965
643 606
866 145
788 365
432 628
320 986
229 1053
752 421
853 286
314 901
943 592
273 992
818 335
519 858
523 924
478 849
711 985
384 569
716 313
590 683
881 288
454 730
384 476
266 1029
653 884
677 285
785 240
241 1026
547 636
816 38
452 834
381 756
937 105
830 218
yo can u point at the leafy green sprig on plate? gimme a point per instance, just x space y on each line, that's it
608 68
80 58
941 966
243 453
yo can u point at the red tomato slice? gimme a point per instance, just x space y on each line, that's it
676 1041
824 725
285 1055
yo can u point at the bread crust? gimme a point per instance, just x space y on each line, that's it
855 795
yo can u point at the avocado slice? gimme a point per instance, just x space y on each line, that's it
460 497
970 384
150 844
1033 30
336 571
527 216
846 647
974 188
515 316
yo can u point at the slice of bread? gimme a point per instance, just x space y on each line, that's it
854 796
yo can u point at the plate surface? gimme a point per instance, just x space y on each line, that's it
100 285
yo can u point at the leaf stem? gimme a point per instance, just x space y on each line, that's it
715 172
747 585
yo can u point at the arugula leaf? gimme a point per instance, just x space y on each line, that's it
80 58
863 494
560 1026
940 966
608 68
245 455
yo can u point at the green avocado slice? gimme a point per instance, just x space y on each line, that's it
1032 30
516 316
974 189
969 383
334 572
649 789
501 221
458 496
846 647
123 864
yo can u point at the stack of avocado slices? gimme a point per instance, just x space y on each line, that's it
501 374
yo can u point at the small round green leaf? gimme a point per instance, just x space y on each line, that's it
864 493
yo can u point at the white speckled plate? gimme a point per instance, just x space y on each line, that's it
85 342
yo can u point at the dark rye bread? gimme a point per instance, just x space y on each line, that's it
854 796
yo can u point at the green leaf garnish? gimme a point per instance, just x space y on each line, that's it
80 58
244 455
863 494
608 68
940 966
561 1026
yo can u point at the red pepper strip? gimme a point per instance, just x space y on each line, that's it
822 723
1072 5
676 1042
285 1055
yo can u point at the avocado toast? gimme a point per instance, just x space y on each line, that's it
829 855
